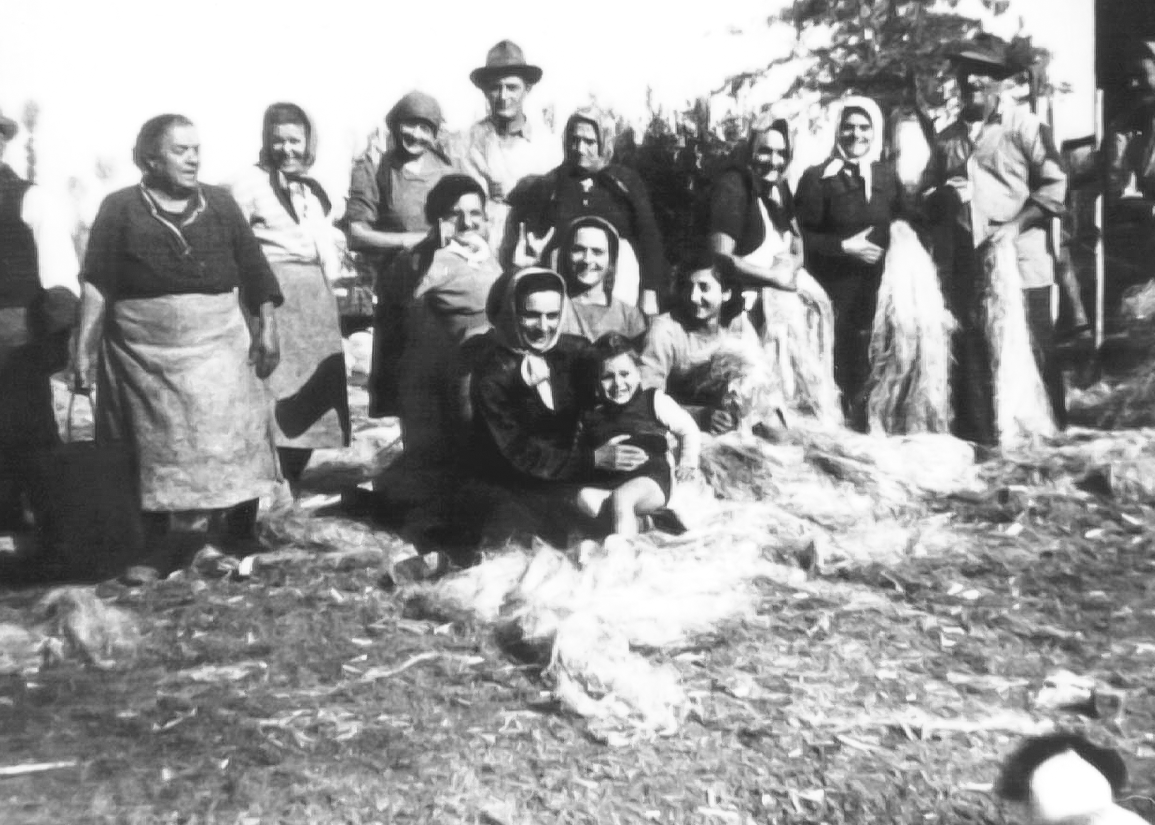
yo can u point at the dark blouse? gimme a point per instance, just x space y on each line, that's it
617 194
636 419
517 438
832 209
134 253
734 211
389 197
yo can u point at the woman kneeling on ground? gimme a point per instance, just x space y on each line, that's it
446 280
681 343
525 393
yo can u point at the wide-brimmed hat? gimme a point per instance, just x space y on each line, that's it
8 127
504 59
992 56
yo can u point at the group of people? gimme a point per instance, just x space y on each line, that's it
519 334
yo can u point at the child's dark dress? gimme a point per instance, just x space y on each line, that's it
637 419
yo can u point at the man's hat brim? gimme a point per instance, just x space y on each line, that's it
983 64
986 54
487 74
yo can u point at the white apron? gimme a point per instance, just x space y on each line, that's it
797 332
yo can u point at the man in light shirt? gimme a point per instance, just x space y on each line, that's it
39 295
506 146
994 175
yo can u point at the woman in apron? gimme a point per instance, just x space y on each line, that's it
288 212
177 318
752 226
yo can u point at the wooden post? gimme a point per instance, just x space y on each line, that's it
1100 261
31 119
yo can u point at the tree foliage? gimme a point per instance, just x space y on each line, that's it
891 50
894 51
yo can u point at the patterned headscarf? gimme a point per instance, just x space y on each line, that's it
278 114
275 115
604 127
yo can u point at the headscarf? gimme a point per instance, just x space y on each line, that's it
274 116
776 196
838 159
280 113
566 239
765 124
604 127
413 106
502 309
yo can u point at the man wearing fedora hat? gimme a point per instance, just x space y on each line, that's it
39 295
506 147
995 175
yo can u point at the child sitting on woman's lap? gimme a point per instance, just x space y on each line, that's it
624 413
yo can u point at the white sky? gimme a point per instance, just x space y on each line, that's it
99 68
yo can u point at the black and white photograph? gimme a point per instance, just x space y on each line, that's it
517 413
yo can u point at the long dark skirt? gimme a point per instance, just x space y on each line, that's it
854 296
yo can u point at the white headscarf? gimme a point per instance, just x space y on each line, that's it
838 158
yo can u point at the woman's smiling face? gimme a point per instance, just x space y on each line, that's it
538 318
589 256
288 145
855 134
768 155
704 295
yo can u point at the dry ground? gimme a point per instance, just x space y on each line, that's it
883 691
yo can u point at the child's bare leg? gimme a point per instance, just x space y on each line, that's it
636 497
591 500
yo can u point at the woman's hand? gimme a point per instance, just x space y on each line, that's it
529 247
265 351
859 248
962 186
618 457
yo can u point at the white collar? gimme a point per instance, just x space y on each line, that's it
838 163
473 256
